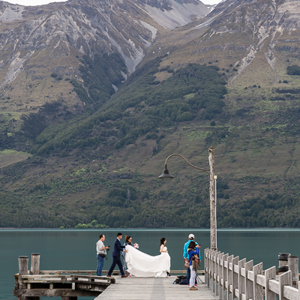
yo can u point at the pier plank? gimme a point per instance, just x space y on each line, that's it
133 288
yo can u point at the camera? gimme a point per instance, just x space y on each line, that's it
108 248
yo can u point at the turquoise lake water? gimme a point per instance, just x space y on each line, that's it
75 249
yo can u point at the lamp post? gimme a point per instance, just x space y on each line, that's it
212 191
215 178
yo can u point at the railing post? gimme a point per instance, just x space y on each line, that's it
228 275
217 270
23 270
220 274
35 264
211 268
257 289
270 274
235 281
241 278
248 282
207 265
214 274
284 279
224 273
293 263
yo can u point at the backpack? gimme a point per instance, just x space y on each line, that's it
179 278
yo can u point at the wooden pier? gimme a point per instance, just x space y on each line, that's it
225 277
69 285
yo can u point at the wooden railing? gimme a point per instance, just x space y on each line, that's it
229 277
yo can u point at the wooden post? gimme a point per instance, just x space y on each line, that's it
35 268
223 274
213 229
270 274
35 264
248 283
220 289
206 263
23 270
241 278
214 272
257 289
229 275
284 279
235 281
293 263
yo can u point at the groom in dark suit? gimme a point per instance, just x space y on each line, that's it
116 256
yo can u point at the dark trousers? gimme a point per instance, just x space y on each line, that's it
188 274
116 261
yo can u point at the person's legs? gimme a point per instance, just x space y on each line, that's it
120 266
113 265
193 277
188 274
100 265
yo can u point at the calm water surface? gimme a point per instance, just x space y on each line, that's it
75 249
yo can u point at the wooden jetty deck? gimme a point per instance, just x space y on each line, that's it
226 277
133 288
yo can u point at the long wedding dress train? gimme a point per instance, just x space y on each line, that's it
141 264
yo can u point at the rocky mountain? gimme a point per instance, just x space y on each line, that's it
50 39
244 36
101 92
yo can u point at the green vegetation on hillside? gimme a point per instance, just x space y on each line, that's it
293 70
193 92
88 199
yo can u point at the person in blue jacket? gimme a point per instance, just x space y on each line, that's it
186 257
192 254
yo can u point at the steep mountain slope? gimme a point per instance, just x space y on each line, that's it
243 35
107 155
39 41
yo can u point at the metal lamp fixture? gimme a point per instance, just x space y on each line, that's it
166 174
212 191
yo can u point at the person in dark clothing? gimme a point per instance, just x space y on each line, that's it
116 256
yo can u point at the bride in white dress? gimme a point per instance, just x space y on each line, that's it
141 264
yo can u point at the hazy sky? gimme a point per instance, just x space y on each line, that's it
40 2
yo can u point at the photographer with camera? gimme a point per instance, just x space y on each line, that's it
101 253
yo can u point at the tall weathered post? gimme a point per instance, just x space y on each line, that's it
23 270
35 263
213 227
